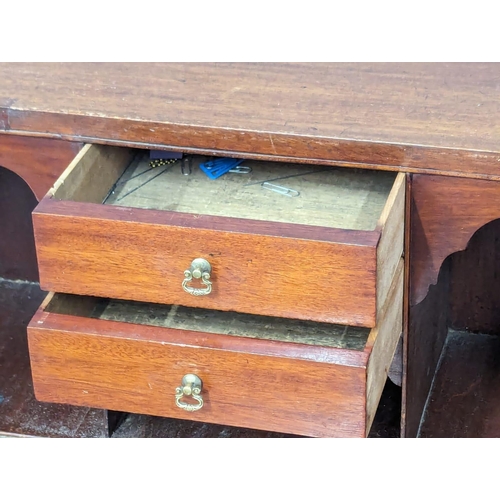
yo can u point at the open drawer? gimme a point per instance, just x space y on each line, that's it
275 374
327 250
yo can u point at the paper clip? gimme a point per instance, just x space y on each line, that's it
215 168
241 170
280 189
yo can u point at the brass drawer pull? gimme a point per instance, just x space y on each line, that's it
191 385
200 268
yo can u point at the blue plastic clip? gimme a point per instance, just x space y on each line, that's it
215 168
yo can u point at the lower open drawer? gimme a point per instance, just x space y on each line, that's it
259 372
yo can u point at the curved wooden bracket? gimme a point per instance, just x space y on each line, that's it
38 161
445 213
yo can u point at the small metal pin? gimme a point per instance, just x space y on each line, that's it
186 165
241 170
280 189
289 176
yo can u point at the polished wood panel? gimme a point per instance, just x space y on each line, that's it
36 160
446 133
110 252
432 118
259 267
76 362
22 415
263 384
446 213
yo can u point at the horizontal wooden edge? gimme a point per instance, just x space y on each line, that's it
47 321
62 208
350 152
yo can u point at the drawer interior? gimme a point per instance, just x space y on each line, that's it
317 196
212 321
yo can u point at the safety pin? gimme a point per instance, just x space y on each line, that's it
280 189
241 170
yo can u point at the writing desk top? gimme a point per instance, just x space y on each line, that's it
434 118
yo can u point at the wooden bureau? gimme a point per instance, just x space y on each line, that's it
294 325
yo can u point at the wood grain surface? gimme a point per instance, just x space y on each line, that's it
22 415
433 118
39 162
247 382
126 361
260 267
445 214
141 255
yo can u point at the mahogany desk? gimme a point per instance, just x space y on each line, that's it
437 123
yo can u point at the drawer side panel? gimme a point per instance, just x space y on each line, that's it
390 248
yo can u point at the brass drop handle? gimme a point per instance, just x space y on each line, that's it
191 386
200 268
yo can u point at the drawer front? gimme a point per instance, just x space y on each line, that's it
144 258
272 385
257 267
140 375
